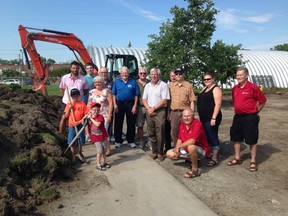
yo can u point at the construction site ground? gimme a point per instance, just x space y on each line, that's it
135 184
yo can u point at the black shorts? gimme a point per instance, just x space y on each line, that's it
245 128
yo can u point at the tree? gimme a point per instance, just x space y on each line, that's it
59 72
281 47
47 62
223 59
186 42
10 73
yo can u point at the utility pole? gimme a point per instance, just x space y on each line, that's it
22 65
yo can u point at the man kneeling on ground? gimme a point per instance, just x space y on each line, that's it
192 141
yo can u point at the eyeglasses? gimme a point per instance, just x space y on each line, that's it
103 72
178 74
207 79
142 73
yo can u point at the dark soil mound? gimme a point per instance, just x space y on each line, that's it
31 150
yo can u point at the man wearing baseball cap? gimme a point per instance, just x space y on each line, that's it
182 98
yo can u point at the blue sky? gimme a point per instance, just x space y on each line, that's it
256 24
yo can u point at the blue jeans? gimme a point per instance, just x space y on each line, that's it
212 135
72 134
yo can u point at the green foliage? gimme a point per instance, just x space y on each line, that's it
185 42
49 139
20 160
59 72
49 163
47 62
14 86
10 73
281 47
9 62
223 59
48 194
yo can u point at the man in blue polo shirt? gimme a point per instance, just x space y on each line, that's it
125 97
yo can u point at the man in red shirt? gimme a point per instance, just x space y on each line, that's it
248 101
191 140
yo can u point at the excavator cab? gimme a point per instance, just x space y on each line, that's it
114 62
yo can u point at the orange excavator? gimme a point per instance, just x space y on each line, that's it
40 74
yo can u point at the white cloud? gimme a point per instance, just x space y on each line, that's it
260 19
136 9
228 19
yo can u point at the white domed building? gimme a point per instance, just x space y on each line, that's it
267 68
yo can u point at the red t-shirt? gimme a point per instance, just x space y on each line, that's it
80 110
246 99
97 134
195 132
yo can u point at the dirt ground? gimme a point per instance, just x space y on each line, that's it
235 190
226 190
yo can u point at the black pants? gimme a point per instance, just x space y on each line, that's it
124 108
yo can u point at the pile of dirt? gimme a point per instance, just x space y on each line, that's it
31 150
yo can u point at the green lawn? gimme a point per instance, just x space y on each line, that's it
52 89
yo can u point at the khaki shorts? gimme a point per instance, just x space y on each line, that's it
141 116
101 147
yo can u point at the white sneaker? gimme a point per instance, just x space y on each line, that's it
117 145
87 138
132 145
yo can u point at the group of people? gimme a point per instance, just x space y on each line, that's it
168 110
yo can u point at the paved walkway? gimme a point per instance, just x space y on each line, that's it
135 185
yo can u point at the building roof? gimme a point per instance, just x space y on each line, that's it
267 68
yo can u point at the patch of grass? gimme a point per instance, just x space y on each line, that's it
20 160
38 185
49 139
50 164
52 90
48 194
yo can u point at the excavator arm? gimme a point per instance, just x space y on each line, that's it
51 36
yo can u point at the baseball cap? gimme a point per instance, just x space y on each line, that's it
74 91
179 70
95 104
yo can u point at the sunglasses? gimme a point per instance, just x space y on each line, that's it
142 73
207 79
178 73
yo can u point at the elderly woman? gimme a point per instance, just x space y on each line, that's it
103 96
209 110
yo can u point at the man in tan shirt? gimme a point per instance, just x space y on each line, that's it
182 97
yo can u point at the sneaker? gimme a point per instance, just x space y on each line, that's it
87 138
132 145
117 145
141 145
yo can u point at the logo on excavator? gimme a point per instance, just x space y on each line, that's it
53 39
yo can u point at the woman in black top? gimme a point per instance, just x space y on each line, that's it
209 110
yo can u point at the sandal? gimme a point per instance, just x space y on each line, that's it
234 162
253 167
106 165
101 168
192 174
211 163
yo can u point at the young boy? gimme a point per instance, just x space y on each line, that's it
98 135
75 112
